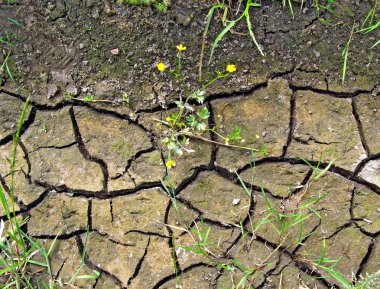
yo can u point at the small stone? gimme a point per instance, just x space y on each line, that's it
236 201
367 221
81 45
317 53
115 51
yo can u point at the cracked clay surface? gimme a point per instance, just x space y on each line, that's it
99 165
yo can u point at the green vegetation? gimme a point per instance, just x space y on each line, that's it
160 5
329 12
189 121
287 225
21 256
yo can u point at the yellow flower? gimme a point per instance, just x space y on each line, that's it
231 68
227 141
181 47
161 66
168 119
170 164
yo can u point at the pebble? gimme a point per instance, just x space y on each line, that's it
115 51
236 201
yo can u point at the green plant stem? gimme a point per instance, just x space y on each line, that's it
179 64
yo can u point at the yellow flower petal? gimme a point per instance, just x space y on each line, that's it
231 68
161 66
181 47
170 164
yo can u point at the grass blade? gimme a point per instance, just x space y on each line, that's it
244 186
220 36
249 25
376 43
345 55
321 173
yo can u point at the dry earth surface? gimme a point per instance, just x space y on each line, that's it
99 165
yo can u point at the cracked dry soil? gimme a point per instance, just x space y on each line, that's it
98 165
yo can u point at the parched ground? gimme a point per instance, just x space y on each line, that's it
98 165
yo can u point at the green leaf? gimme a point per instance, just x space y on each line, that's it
234 135
203 113
263 150
199 96
220 36
37 263
9 71
376 43
201 126
249 25
179 103
94 276
88 98
190 119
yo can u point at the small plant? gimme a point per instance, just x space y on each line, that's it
191 121
370 281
